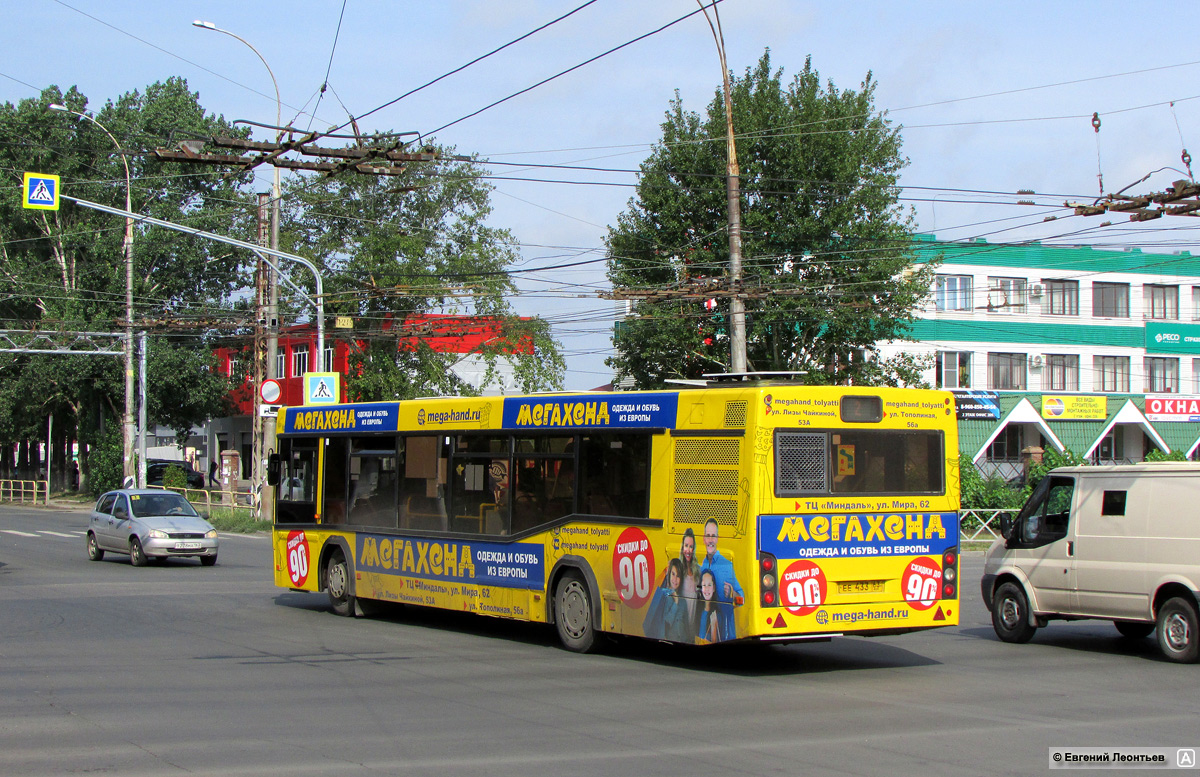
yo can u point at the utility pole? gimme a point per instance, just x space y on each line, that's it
262 280
737 306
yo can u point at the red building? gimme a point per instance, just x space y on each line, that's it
298 344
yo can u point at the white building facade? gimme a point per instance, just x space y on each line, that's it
1069 347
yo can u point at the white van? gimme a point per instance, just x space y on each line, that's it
1120 543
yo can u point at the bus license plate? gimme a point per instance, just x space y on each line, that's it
187 545
860 587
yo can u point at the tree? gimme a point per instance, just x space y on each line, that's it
827 265
391 247
65 269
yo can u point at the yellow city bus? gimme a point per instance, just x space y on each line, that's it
754 510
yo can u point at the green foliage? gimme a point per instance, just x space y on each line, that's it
394 247
1157 455
991 493
238 521
174 477
65 269
825 239
185 387
106 461
1052 459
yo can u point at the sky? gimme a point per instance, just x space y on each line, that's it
990 98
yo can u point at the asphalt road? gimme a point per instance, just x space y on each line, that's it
180 669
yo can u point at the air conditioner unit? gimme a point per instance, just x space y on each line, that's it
1035 361
1036 290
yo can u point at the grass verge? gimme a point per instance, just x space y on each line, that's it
237 521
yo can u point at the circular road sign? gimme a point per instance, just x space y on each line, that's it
270 391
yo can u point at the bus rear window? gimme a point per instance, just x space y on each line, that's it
876 461
861 410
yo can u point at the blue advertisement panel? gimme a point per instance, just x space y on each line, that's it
507 565
366 418
836 535
589 411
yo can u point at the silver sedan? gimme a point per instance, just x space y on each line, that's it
149 524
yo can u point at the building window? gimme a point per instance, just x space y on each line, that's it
1007 445
1196 303
1161 301
1111 374
281 363
328 358
1196 376
1110 300
1006 371
953 369
1062 372
235 368
299 360
953 292
1162 375
1007 295
1064 297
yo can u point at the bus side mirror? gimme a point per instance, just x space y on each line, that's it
273 468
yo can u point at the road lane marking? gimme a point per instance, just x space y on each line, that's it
18 533
59 534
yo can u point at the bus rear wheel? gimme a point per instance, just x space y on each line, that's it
573 613
337 584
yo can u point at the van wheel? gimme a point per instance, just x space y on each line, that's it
1010 614
337 584
573 613
1134 629
1177 630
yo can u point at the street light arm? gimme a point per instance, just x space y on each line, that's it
278 103
124 159
318 301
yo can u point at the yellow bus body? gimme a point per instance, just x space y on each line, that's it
809 564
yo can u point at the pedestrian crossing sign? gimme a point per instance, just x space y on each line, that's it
40 191
322 388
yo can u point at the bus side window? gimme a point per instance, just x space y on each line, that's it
421 499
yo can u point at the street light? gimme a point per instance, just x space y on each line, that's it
129 468
264 430
276 195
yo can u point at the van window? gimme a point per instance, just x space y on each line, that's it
1113 504
1045 516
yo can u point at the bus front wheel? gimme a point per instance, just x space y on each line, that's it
573 613
337 584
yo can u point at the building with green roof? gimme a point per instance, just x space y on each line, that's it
1083 348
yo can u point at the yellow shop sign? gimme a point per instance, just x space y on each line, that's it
1070 407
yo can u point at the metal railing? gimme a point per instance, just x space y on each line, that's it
978 524
225 500
25 491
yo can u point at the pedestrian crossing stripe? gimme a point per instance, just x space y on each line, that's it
41 191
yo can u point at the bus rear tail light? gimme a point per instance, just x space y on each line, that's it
768 580
950 573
